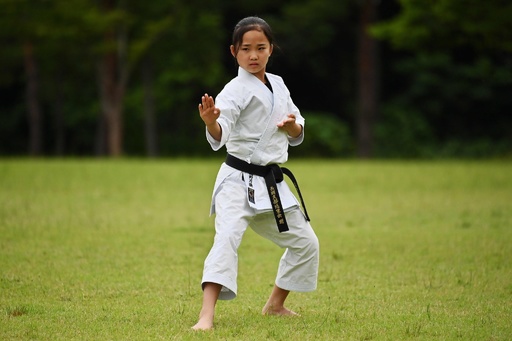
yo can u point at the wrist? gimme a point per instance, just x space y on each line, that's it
212 125
214 130
296 131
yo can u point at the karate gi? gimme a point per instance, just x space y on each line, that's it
249 116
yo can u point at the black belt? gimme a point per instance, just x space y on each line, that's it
273 174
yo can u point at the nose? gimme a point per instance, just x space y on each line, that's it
253 56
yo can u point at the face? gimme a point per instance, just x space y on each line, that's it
253 54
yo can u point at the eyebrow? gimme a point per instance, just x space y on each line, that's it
260 44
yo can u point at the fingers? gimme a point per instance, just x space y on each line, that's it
287 121
207 102
290 119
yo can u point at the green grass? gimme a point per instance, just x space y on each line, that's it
113 250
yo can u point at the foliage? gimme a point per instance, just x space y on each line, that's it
325 136
403 132
455 79
439 25
446 63
68 40
445 103
113 250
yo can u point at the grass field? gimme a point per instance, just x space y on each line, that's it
113 250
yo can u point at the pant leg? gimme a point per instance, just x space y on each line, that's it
298 267
232 215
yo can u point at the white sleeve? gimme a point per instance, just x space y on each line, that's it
216 145
292 108
229 102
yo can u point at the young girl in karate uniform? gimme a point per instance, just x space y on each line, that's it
255 118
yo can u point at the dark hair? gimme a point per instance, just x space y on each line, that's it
249 24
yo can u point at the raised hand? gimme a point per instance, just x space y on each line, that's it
207 110
209 114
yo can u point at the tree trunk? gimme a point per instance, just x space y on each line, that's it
58 113
111 106
101 135
368 77
113 74
149 109
33 106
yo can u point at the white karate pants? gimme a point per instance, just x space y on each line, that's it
298 267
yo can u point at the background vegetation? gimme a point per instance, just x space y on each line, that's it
396 78
113 250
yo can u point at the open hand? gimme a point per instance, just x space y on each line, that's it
207 110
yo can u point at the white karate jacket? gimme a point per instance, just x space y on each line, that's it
248 118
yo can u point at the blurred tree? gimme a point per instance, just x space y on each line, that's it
368 80
129 29
113 72
32 96
439 25
456 76
150 127
66 66
24 29
177 64
65 44
51 35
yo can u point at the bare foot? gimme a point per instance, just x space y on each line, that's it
282 311
204 323
210 295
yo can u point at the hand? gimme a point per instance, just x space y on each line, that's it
207 110
209 114
290 126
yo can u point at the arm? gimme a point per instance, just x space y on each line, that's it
209 114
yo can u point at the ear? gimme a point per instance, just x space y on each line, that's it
232 49
271 49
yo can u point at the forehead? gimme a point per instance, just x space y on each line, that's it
254 37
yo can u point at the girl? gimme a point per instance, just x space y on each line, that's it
255 118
